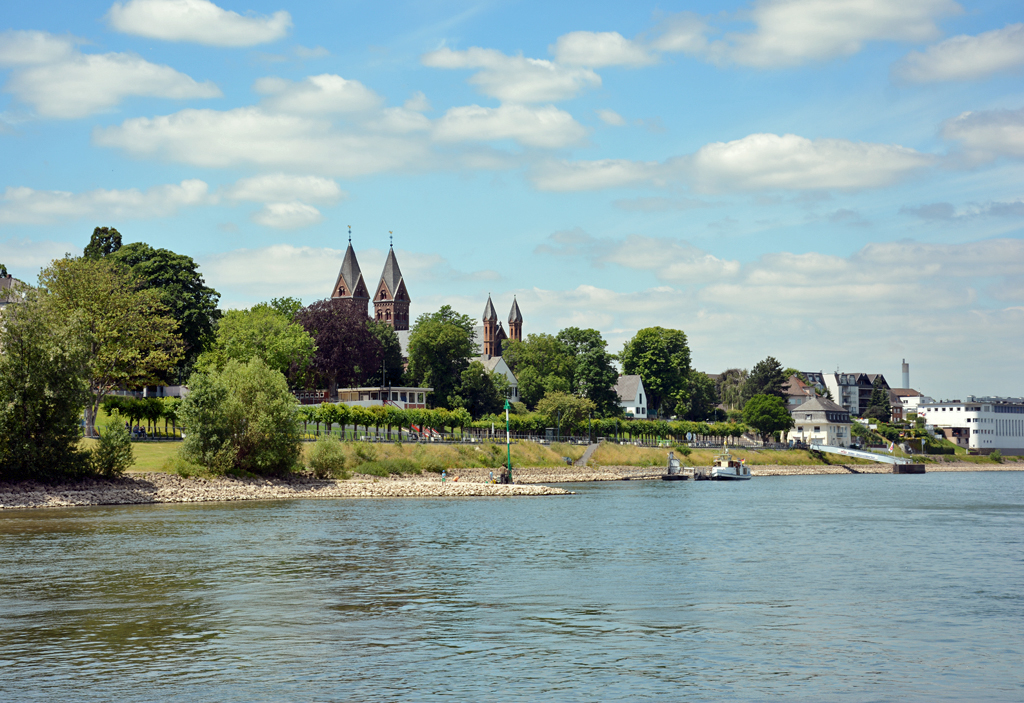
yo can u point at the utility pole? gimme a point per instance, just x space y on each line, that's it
508 444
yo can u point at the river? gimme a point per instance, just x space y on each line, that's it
859 588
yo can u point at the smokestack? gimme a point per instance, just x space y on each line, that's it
906 374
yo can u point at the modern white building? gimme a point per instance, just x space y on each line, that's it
632 398
983 424
820 421
404 398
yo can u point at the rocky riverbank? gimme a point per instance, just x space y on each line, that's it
169 488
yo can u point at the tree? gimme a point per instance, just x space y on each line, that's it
541 363
129 337
347 351
391 355
879 407
260 332
104 242
113 454
661 358
242 418
790 372
42 392
481 391
700 398
730 388
3 271
767 414
766 378
182 291
592 374
289 307
565 410
440 348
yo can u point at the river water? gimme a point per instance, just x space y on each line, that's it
860 588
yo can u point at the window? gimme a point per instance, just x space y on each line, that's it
807 416
817 429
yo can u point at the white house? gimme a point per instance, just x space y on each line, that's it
820 421
632 397
984 424
495 364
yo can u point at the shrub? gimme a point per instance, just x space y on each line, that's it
184 468
365 452
996 456
112 455
327 458
386 467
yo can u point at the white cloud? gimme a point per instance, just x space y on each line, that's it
965 57
198 21
252 136
546 127
683 32
593 175
316 52
988 134
770 161
280 187
28 206
287 215
417 102
515 78
317 95
792 32
611 117
597 49
24 257
25 48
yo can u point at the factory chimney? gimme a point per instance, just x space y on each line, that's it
906 374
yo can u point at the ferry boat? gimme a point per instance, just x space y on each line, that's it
726 468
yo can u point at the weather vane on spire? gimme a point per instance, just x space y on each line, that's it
350 234
391 238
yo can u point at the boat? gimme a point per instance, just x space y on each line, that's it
726 468
674 470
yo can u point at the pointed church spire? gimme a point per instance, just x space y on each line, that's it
350 282
489 312
391 301
514 315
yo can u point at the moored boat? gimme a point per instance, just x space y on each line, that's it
726 468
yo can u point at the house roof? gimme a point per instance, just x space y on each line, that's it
392 275
514 315
795 387
905 393
821 404
627 387
489 312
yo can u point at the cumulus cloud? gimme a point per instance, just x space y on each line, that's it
287 215
24 257
597 49
253 136
947 211
683 32
59 81
546 127
27 206
965 57
988 134
317 95
770 161
198 21
612 118
593 175
515 78
280 187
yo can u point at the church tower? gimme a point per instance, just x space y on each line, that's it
350 286
515 322
391 301
491 343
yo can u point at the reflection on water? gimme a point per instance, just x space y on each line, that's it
855 587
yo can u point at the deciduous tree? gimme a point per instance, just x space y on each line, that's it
104 242
767 414
661 357
261 332
347 351
440 348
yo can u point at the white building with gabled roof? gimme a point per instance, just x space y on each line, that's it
632 397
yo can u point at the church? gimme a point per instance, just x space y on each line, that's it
391 305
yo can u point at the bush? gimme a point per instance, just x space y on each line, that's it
996 456
113 455
327 458
386 467
184 468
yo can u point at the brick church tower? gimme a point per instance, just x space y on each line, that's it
350 285
492 341
391 301
515 322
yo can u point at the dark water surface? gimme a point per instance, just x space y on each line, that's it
860 588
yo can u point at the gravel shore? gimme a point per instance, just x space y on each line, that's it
169 488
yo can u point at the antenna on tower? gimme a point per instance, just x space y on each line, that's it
350 234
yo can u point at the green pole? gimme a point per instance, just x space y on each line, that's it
508 440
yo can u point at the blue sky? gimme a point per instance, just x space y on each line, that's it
838 183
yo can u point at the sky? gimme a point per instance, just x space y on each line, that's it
836 183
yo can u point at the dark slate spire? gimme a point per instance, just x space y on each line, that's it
514 315
489 312
392 275
350 277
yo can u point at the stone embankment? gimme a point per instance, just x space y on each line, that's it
168 488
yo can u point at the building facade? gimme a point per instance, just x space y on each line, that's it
632 396
853 390
982 424
489 338
820 421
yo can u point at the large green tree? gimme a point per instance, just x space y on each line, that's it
729 388
104 241
661 357
592 374
481 391
441 345
701 398
541 363
565 410
347 351
129 335
766 378
767 414
183 292
42 391
391 369
261 332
